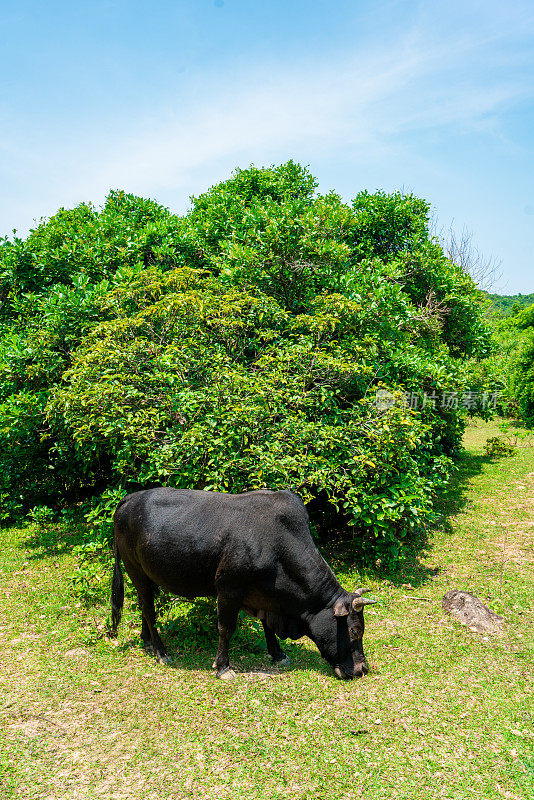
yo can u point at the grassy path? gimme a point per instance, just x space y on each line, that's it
442 714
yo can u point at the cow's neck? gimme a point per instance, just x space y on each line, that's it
316 580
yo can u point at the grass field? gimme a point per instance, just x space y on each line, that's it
443 713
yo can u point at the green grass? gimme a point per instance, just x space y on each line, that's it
443 713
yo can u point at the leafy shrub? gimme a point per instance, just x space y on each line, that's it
41 515
517 433
524 365
497 446
100 515
512 363
89 581
237 347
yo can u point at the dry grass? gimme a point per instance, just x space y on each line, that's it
443 713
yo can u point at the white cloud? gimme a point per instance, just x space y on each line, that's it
367 104
364 102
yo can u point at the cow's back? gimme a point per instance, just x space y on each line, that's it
186 540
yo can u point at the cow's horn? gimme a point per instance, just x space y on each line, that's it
361 591
360 602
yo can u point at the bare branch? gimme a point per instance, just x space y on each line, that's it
459 248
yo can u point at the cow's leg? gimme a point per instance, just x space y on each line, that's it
273 646
145 593
227 610
145 632
149 616
146 638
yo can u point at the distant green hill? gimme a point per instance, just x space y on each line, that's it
506 304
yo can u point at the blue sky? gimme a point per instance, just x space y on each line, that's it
165 99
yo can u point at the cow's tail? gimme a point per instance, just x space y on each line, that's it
117 592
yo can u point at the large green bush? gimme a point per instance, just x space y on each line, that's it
523 365
512 361
237 347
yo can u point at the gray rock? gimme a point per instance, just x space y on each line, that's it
471 612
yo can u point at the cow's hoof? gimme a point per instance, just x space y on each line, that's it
284 661
227 674
163 658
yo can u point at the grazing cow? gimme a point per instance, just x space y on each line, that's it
252 551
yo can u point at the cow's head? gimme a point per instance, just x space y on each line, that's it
338 633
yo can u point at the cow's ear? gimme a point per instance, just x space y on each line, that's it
341 608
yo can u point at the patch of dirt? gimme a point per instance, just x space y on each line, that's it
77 652
516 546
32 724
260 674
513 541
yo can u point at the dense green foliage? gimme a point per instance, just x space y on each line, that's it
512 362
524 364
237 347
505 305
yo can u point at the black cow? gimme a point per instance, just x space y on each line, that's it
252 551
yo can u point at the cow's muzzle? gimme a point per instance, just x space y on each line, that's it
358 671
